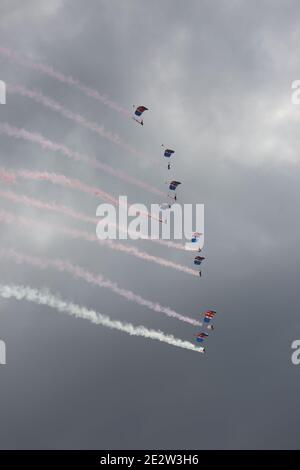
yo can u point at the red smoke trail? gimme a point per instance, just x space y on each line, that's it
78 272
67 79
10 218
64 181
60 209
52 206
45 143
7 176
75 117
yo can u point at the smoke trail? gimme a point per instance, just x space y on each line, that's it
7 176
8 217
17 133
10 176
49 206
97 280
61 209
75 117
62 180
67 79
44 297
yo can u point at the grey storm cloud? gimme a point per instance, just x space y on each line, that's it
217 80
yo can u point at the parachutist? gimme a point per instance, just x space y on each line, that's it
168 153
138 112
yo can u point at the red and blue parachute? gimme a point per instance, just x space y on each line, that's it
173 185
138 112
209 315
196 237
200 337
198 260
168 153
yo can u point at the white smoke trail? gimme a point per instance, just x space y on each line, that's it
16 133
78 272
75 117
9 218
67 79
44 297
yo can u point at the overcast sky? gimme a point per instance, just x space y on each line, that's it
216 77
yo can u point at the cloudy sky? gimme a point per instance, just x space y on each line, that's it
216 77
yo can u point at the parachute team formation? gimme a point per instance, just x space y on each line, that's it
194 244
9 177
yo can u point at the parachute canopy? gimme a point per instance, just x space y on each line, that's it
210 312
165 206
196 237
200 337
139 110
173 185
168 153
209 315
198 260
